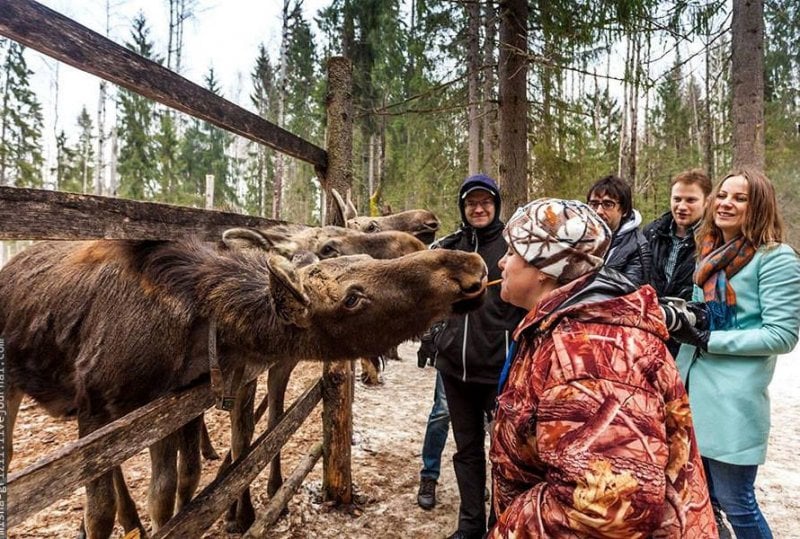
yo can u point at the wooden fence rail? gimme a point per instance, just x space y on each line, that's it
209 505
36 214
59 473
51 33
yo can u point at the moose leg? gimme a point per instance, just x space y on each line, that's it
370 371
277 382
189 460
393 354
241 515
98 515
13 400
163 479
127 514
209 453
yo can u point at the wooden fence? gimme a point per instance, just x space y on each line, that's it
37 214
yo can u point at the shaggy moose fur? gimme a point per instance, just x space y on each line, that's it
100 328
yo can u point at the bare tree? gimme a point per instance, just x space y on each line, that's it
747 77
489 109
277 184
513 103
473 84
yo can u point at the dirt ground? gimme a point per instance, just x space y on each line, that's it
389 422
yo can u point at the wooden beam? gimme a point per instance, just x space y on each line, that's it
47 31
206 507
281 498
61 472
27 214
338 377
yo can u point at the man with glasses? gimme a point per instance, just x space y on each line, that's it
469 351
611 199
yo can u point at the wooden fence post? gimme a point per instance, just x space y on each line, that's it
337 377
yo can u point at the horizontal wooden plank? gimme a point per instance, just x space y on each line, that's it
47 31
207 506
58 474
36 214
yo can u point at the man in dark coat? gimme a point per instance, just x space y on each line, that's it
469 352
629 254
671 238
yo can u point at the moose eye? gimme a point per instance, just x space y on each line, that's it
328 251
352 300
373 227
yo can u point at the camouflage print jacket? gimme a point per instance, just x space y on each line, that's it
593 434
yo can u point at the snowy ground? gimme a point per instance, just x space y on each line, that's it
389 423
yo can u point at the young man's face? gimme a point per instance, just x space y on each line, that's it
687 204
607 208
479 208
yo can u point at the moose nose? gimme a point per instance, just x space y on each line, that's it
431 225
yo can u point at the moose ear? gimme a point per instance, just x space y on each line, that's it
351 212
345 210
340 207
277 241
290 301
244 238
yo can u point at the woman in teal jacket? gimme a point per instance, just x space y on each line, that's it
749 282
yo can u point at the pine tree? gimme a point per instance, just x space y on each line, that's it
67 175
136 165
203 151
21 121
258 172
85 158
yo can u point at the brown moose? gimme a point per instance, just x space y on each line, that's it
97 329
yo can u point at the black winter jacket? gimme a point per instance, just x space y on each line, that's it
473 347
629 253
659 236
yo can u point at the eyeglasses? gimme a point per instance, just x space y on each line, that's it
607 204
485 203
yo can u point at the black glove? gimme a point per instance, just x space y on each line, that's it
427 346
687 323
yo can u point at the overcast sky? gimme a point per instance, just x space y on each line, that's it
224 34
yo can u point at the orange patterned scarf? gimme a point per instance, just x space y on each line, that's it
718 264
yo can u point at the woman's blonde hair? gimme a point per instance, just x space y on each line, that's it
763 224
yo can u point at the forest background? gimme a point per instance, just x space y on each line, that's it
641 88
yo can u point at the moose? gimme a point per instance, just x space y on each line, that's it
96 329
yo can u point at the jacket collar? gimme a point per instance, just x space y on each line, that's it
605 296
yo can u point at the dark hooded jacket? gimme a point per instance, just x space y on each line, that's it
629 253
472 347
659 235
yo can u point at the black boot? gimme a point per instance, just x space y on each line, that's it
426 496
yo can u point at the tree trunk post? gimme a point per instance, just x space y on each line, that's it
209 191
747 78
337 377
513 104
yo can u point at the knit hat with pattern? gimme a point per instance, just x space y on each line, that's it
563 238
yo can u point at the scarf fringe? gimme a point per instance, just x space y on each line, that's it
721 315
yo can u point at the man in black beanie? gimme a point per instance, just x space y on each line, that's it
469 352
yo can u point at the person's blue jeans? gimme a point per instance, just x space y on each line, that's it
435 433
732 489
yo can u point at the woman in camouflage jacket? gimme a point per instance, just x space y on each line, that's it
593 434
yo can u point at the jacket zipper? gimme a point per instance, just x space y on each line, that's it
466 323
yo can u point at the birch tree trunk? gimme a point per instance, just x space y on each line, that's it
747 81
489 112
102 98
277 183
473 74
513 104
709 123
